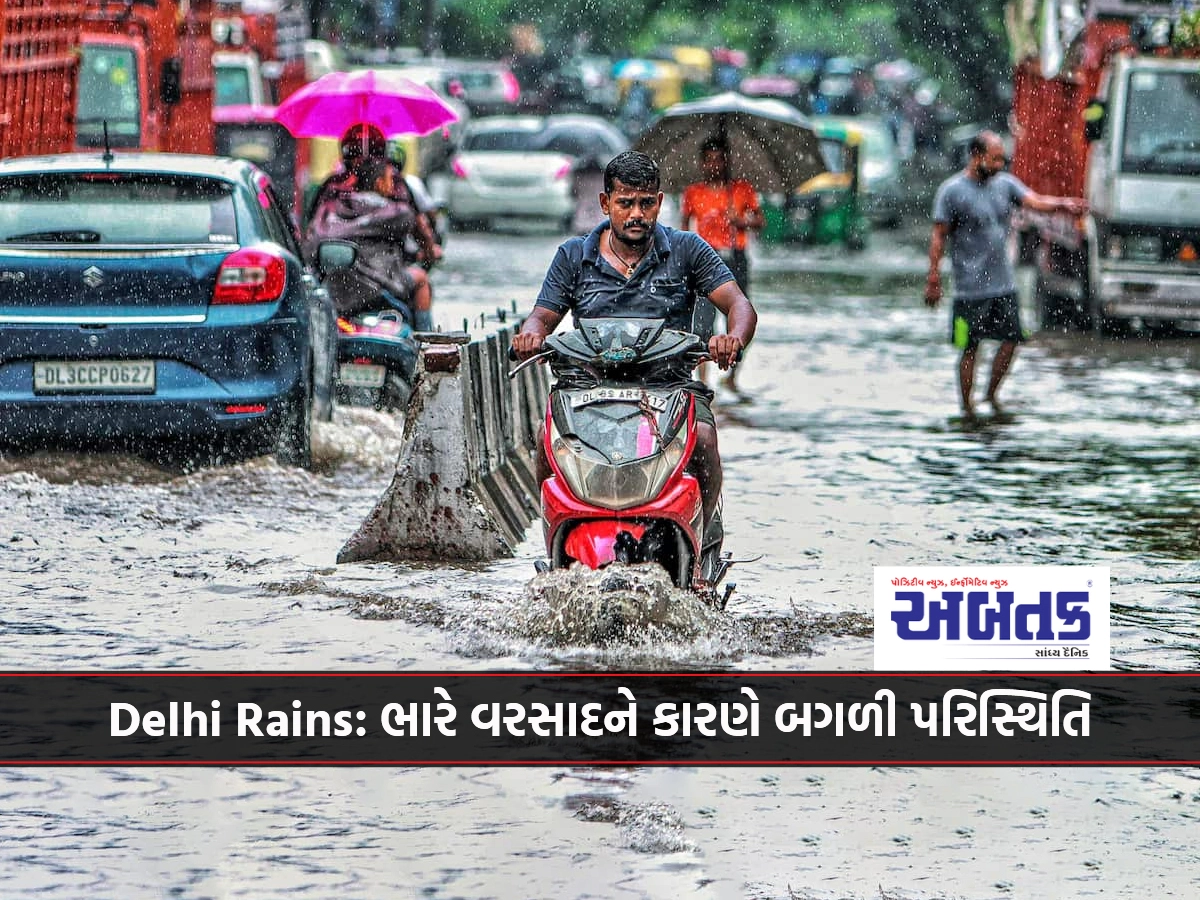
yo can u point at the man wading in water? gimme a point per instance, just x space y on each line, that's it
973 209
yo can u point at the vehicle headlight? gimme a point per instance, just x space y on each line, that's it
1143 248
1135 247
620 486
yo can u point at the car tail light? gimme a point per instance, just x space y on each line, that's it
563 171
512 87
244 409
458 169
250 275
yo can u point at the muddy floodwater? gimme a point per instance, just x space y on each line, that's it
842 454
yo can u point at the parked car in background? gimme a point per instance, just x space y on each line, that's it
155 296
879 164
523 167
581 136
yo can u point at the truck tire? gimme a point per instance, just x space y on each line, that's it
1107 326
1054 312
1083 317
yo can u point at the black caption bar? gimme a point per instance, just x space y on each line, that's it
631 718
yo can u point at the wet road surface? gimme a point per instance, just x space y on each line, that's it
844 454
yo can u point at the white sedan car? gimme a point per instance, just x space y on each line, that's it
523 167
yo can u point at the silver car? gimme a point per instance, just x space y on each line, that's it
523 167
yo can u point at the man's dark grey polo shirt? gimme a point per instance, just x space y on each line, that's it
679 267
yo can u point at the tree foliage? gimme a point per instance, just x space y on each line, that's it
961 41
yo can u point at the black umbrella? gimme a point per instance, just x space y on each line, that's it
771 144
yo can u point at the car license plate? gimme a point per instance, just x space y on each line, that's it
362 375
623 395
112 376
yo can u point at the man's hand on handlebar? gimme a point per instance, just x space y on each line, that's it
527 344
725 349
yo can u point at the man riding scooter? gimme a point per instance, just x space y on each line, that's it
630 266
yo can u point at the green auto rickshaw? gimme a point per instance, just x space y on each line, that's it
825 209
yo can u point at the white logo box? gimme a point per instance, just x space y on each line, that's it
992 618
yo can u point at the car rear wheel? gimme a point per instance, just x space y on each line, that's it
293 442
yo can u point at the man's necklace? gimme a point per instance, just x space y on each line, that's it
629 266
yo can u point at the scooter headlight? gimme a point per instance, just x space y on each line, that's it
620 486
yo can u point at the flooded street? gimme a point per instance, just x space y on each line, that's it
844 453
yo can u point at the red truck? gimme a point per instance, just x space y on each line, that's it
145 72
139 69
1106 106
38 66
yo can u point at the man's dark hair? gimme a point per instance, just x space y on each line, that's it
979 144
633 169
715 143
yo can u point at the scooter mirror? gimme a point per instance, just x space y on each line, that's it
335 255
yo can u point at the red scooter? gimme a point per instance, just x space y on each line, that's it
619 436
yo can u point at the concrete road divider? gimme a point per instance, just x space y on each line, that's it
464 487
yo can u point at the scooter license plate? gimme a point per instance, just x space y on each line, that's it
624 395
362 375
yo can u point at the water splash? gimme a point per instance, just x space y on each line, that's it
644 827
615 605
622 617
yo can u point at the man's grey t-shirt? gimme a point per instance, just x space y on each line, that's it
678 267
979 216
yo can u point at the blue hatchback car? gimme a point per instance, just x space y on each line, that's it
157 296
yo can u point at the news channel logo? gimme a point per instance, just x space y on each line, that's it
992 618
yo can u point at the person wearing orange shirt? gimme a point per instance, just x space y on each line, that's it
722 211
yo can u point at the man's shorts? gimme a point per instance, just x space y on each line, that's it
985 318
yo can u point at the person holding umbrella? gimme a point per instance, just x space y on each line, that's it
361 107
722 210
337 203
370 215
630 266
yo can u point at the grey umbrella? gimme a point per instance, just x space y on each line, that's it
771 144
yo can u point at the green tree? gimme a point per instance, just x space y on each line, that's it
962 41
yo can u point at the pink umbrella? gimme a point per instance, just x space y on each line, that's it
394 104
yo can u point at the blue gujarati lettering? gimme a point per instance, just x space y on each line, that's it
939 612
993 622
1025 621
